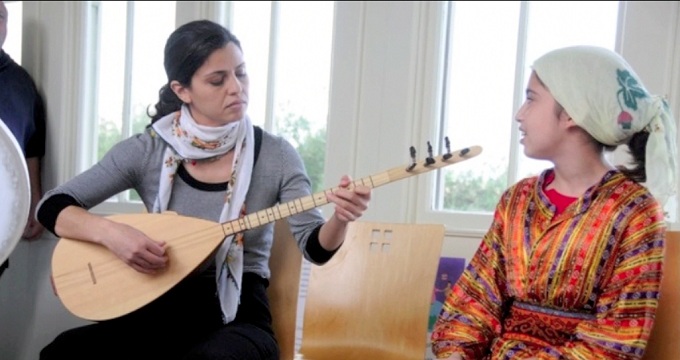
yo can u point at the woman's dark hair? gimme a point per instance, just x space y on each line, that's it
187 48
636 148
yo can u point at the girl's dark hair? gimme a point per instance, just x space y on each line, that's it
601 146
636 148
186 50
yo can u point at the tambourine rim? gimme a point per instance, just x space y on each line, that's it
16 195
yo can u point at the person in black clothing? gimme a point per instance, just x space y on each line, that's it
22 110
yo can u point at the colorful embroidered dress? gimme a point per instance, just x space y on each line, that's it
580 285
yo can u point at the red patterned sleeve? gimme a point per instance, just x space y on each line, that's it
471 314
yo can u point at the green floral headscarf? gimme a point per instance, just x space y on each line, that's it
603 94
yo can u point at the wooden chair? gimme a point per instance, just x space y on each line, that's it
664 343
372 299
285 264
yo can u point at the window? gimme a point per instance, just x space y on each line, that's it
287 46
479 105
127 72
13 41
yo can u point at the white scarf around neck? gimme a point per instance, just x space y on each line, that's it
188 140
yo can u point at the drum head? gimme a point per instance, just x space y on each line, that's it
15 194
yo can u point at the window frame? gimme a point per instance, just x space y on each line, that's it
122 203
371 122
474 225
218 11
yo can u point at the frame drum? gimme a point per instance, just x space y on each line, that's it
15 194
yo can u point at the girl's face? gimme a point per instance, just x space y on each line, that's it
540 124
218 93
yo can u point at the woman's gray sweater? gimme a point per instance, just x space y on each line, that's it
135 163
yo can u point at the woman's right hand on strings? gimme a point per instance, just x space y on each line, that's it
129 244
136 249
455 356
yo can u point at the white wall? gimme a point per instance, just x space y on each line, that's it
30 314
380 78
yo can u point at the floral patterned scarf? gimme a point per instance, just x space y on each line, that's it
603 94
189 141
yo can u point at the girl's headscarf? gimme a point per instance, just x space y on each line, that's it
603 95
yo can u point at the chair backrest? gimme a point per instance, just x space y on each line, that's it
372 299
664 343
285 264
